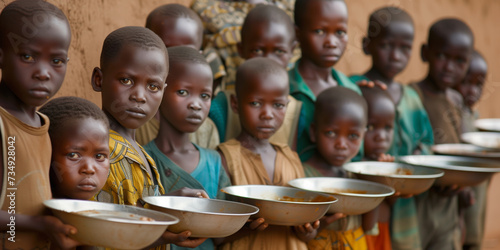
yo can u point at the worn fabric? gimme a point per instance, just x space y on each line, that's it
412 128
404 225
29 156
128 178
475 217
382 241
302 92
221 111
205 136
246 167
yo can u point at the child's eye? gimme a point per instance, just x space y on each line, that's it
280 52
353 136
73 156
319 31
126 81
388 127
370 128
279 105
257 51
100 157
58 61
27 58
440 56
205 96
182 92
341 32
255 104
330 133
461 60
153 87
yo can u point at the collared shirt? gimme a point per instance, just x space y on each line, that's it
128 178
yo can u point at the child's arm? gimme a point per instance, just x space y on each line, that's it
49 225
188 192
307 231
370 219
327 220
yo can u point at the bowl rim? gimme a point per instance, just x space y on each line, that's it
439 173
392 190
466 137
415 161
173 220
256 209
482 124
441 150
285 202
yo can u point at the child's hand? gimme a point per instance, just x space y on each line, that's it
307 231
448 190
257 224
181 239
58 232
189 193
371 84
386 158
466 198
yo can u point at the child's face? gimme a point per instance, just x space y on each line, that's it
34 67
271 40
338 139
391 49
132 85
379 133
80 158
187 98
262 105
323 37
448 60
472 87
179 31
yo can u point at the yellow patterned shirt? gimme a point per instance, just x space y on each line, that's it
128 178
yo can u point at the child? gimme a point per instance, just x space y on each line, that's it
131 79
267 32
261 98
339 124
33 68
79 132
471 89
321 27
377 141
448 51
177 25
389 42
185 106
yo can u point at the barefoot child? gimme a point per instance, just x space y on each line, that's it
321 28
338 127
185 105
79 132
178 25
266 32
261 99
448 52
33 69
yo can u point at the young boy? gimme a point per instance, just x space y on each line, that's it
79 133
321 28
471 89
389 42
267 32
252 159
131 79
33 61
185 105
177 25
448 52
338 127
377 141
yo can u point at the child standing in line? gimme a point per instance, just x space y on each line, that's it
267 32
178 25
79 132
389 42
448 52
321 28
33 70
261 99
131 80
185 105
338 127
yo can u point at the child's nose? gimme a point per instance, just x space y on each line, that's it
195 105
267 113
42 72
395 55
331 41
88 167
138 94
341 143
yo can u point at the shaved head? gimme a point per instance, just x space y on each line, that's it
382 17
261 68
443 29
337 102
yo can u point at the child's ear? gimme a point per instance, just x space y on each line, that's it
97 79
294 45
424 53
365 42
312 132
234 103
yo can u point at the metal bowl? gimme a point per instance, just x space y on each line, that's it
283 206
483 139
405 179
111 225
492 125
469 150
355 196
206 218
461 171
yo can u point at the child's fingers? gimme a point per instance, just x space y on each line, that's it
334 217
258 224
316 224
300 229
